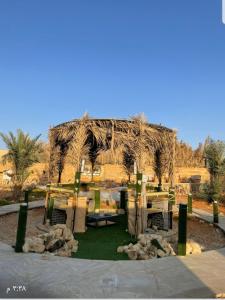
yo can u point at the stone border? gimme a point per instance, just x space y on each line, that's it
13 208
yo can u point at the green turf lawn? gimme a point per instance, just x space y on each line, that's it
102 242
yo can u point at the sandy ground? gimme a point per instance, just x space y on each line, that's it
8 225
208 236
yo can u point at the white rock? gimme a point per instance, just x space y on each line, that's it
143 241
141 236
72 243
132 254
120 249
34 244
58 233
156 236
125 249
51 243
67 234
161 253
75 248
192 247
64 253
59 226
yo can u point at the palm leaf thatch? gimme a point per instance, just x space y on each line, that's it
110 141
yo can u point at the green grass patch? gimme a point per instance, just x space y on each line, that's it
4 202
102 242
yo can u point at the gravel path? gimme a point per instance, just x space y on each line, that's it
8 225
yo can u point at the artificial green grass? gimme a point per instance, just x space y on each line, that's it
102 242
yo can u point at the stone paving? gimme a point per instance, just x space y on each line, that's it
40 276
195 276
12 208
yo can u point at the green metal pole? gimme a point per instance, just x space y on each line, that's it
215 212
190 203
50 207
182 229
97 199
123 199
170 214
26 197
21 229
172 197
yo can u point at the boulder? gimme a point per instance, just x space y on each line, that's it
54 245
63 252
148 246
125 249
59 226
74 249
34 244
120 249
132 254
67 234
161 253
193 247
58 233
72 243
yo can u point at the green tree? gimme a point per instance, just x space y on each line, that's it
23 152
215 161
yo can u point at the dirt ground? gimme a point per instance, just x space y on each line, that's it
201 204
8 225
208 236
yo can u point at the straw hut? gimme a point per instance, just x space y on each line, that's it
112 141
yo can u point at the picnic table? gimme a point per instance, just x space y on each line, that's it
96 220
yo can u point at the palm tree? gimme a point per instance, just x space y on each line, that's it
23 152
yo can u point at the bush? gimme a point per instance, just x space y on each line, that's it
4 202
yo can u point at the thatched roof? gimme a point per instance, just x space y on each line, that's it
107 120
115 137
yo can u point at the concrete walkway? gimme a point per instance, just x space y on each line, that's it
12 208
37 276
206 216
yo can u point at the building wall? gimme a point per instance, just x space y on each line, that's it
108 172
117 173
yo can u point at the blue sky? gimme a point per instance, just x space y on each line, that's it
113 58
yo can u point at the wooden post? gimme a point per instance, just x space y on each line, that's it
182 229
21 229
80 215
46 202
131 214
70 212
77 182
